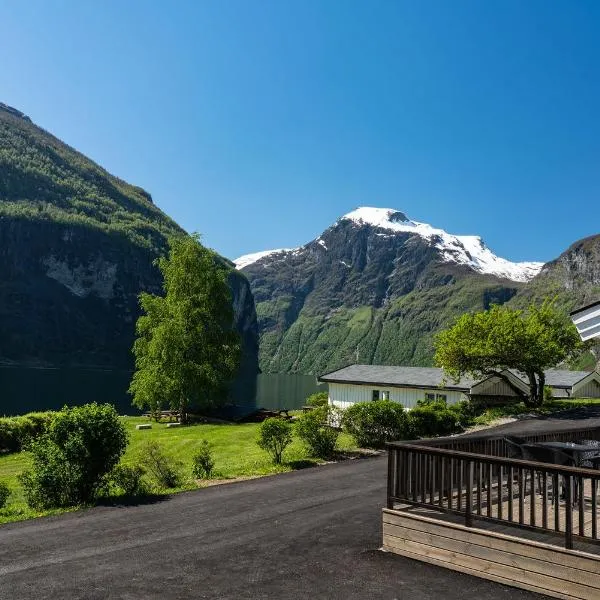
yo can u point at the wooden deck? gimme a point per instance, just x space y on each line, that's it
518 557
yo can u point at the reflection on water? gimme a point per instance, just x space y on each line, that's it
24 390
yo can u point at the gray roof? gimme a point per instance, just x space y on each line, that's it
430 377
415 377
565 379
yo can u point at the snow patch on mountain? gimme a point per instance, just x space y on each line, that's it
466 250
248 259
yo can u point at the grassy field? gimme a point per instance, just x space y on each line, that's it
234 446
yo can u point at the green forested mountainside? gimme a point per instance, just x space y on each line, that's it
574 280
77 246
354 295
43 179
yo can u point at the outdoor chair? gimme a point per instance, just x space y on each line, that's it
544 454
513 448
515 440
591 459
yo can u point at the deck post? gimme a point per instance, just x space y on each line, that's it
569 513
469 507
391 475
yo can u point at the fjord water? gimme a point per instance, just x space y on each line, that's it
24 390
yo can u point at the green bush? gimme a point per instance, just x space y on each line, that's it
4 493
318 399
165 470
17 432
71 460
203 461
130 480
315 430
430 419
274 436
372 424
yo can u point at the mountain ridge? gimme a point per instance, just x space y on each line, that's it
459 249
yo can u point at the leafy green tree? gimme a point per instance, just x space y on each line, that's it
490 342
187 349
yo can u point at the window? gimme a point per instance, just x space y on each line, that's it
375 395
385 395
430 397
380 395
440 397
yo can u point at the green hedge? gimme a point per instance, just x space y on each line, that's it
372 424
17 432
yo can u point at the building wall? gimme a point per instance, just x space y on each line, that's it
344 395
493 387
589 390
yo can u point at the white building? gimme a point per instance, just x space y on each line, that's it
587 321
408 385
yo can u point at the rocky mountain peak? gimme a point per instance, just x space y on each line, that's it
465 250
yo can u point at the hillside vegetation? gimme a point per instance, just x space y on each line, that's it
43 179
77 247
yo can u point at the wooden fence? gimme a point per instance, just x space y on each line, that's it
472 477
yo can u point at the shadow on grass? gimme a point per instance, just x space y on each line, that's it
301 464
133 500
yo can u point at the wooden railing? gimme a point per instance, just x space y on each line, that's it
495 446
531 495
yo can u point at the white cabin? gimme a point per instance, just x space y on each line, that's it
408 385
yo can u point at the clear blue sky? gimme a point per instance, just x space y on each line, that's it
258 123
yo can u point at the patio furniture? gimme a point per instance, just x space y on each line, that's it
513 448
545 453
515 439
591 458
579 451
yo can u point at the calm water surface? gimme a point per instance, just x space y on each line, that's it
24 390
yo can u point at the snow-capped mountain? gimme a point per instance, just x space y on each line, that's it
468 250
375 284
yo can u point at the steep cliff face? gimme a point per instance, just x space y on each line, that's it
573 280
77 247
373 288
574 277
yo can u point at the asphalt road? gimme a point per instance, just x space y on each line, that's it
309 534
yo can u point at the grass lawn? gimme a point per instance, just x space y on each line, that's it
234 447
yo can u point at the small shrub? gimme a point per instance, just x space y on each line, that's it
203 461
315 430
130 479
71 460
274 436
433 419
4 493
164 469
548 394
318 399
372 424
465 412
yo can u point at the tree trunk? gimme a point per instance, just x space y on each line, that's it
536 389
183 411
